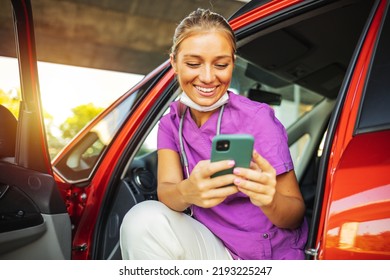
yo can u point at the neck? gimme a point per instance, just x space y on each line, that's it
201 117
200 114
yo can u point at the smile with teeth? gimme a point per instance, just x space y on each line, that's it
205 90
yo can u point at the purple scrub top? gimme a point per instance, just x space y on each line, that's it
246 232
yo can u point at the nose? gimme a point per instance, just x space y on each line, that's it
207 74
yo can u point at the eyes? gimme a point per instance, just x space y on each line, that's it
219 66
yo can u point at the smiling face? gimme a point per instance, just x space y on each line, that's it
204 65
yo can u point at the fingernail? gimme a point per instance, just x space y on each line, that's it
236 171
231 163
237 181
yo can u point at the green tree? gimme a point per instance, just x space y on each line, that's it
11 100
55 144
82 115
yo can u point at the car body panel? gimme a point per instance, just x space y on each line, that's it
355 169
260 12
358 223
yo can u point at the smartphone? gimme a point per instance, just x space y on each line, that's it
237 147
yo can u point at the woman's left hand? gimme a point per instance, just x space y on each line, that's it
258 182
279 196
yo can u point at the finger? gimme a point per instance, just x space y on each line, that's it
216 196
217 166
262 163
248 186
258 199
221 192
259 194
255 175
222 181
254 166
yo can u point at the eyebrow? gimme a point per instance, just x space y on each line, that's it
200 57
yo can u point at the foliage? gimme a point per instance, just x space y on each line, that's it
82 115
11 100
55 144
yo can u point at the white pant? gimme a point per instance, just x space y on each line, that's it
152 231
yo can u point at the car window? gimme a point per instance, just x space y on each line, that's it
9 68
289 100
374 112
9 85
150 143
10 95
78 164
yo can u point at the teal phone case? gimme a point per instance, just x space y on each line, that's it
237 147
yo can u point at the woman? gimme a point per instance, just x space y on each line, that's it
254 213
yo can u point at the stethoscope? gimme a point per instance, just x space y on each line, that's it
182 150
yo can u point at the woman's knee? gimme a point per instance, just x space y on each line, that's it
140 218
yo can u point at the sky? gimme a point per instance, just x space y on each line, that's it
64 87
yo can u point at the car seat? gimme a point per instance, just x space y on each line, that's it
8 127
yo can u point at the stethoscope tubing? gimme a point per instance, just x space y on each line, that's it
183 153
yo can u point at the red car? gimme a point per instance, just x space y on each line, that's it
323 65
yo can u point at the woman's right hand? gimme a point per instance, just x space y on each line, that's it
202 190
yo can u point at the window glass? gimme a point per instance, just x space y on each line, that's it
10 94
375 114
150 143
9 69
298 148
78 163
290 100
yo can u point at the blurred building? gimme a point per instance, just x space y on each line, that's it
131 36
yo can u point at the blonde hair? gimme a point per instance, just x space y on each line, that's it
201 20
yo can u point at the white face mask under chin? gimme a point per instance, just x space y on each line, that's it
188 102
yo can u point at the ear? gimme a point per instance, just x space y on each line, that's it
173 62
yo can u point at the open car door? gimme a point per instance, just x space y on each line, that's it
34 223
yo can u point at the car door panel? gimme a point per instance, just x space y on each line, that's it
33 219
17 210
39 187
43 242
358 222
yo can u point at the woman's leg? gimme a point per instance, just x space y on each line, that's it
151 230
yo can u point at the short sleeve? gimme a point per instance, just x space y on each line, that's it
272 141
166 133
